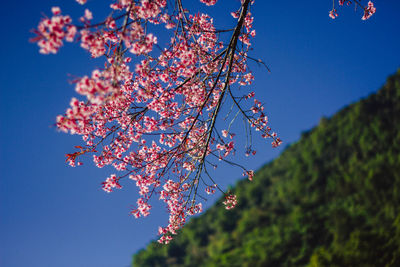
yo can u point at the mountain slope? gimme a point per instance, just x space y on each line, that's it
331 199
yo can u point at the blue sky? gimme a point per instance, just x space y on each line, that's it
55 215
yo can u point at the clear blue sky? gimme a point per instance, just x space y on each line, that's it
54 215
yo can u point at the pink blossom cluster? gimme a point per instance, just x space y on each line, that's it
82 2
209 2
143 208
110 183
151 112
369 10
248 25
342 2
52 31
249 174
211 189
333 14
230 201
173 196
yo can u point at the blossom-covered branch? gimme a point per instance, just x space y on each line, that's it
369 10
157 124
153 112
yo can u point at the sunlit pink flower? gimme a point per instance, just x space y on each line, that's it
369 11
230 202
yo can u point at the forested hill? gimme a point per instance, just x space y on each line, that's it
331 199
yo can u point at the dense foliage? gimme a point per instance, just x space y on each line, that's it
331 199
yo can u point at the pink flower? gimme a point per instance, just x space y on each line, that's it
70 34
235 14
110 183
56 10
210 189
341 2
333 14
230 202
88 15
51 32
94 43
369 11
209 2
250 174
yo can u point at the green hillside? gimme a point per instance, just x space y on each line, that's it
331 199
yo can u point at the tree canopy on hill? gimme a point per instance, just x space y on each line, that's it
331 199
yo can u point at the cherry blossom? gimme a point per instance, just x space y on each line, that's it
369 10
210 189
51 32
333 14
152 111
110 183
209 2
249 174
230 201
